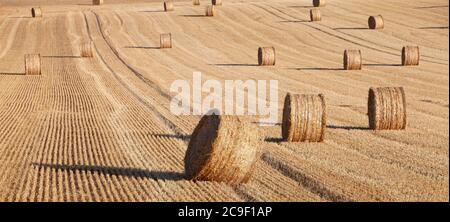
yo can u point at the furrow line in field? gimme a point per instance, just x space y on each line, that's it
367 178
304 180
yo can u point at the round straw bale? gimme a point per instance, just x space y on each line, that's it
222 149
32 64
87 49
216 2
97 2
319 3
314 14
196 2
210 10
165 40
168 6
266 56
36 12
410 55
376 22
387 108
352 60
304 118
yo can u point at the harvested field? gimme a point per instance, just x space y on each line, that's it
101 129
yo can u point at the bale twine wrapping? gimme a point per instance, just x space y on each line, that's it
87 49
216 2
387 108
319 3
165 41
36 12
352 60
210 10
32 64
97 2
196 2
222 149
168 6
410 55
314 15
266 56
376 22
304 118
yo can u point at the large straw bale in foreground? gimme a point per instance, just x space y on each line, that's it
222 149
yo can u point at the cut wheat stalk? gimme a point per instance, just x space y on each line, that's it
223 149
165 40
168 6
266 56
410 56
314 15
36 12
387 108
352 60
196 2
304 118
376 22
32 64
210 10
319 3
97 2
216 2
87 49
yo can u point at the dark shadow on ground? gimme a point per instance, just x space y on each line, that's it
273 139
436 6
20 17
293 21
350 28
433 102
116 171
317 69
142 47
436 27
243 64
181 137
370 64
63 57
301 6
193 16
152 11
348 127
